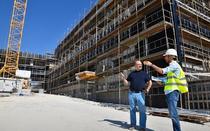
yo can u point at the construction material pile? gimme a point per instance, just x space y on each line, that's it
85 75
184 114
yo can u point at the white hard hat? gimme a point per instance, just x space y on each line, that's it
172 52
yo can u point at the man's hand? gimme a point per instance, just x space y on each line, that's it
160 83
156 68
146 90
122 76
149 85
148 63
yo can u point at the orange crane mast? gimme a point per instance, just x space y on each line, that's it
14 39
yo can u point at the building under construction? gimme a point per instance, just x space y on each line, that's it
38 64
116 32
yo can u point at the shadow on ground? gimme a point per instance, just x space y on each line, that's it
121 124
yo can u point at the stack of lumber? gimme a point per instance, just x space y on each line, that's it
86 75
184 115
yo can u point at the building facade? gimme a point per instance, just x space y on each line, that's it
38 64
116 32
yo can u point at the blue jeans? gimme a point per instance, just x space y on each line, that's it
172 99
138 98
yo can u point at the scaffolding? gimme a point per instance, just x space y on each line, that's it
115 33
38 64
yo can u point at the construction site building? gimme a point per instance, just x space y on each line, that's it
116 32
38 64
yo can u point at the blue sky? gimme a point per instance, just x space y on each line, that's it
46 22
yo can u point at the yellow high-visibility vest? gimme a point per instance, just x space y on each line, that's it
176 82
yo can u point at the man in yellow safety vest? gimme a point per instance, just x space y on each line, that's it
174 85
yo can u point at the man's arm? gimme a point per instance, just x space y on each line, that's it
149 85
123 78
156 68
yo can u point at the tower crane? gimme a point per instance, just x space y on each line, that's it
14 39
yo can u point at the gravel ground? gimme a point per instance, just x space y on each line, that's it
42 112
